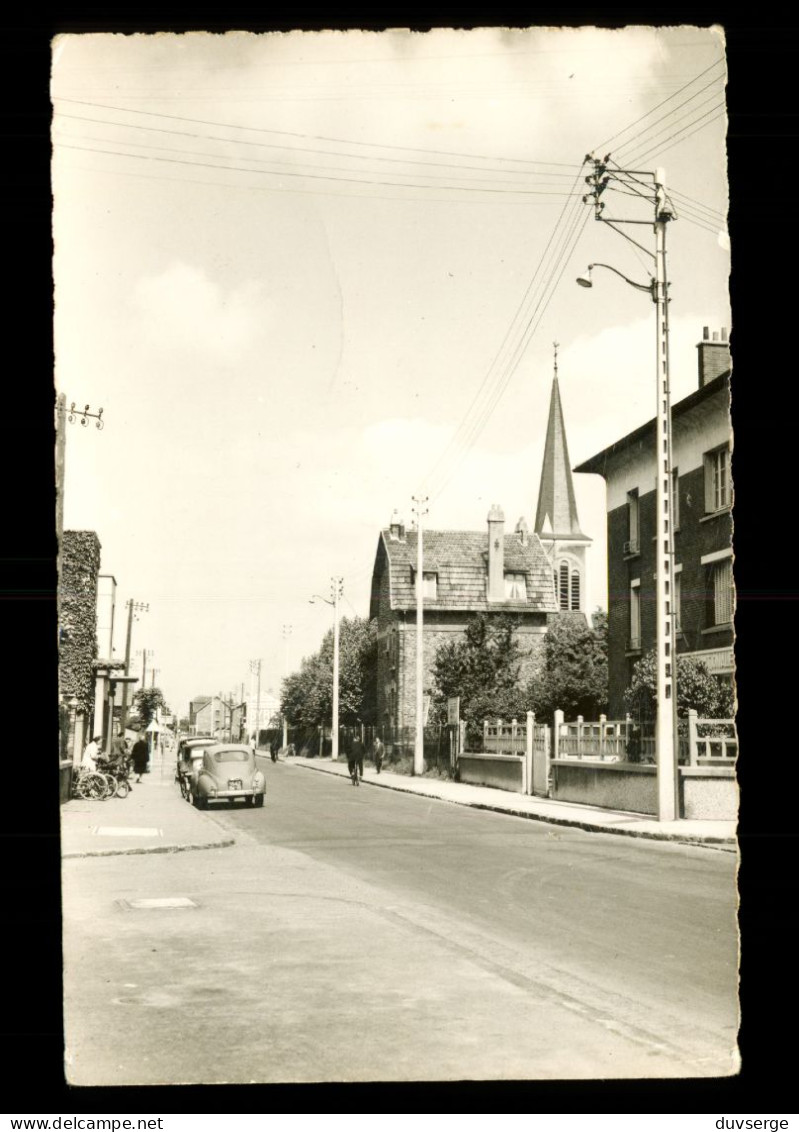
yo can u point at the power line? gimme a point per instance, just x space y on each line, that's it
645 145
681 134
677 93
307 176
318 137
282 171
305 149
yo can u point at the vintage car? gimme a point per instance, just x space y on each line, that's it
190 754
228 772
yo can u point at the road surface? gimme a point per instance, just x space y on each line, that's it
360 934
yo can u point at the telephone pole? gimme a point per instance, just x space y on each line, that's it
419 510
134 609
255 670
287 630
337 590
650 187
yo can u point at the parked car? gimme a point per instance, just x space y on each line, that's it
190 753
228 772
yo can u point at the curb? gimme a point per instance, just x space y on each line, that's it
138 851
723 843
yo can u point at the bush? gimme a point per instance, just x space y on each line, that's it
697 689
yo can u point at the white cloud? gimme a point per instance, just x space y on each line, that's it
184 310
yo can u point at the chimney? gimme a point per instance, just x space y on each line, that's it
714 355
523 531
496 554
396 531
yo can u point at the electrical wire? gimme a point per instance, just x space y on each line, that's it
681 134
319 137
305 149
309 176
677 93
647 146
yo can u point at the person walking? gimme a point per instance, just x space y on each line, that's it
378 751
140 757
355 759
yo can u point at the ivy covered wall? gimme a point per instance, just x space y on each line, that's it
77 616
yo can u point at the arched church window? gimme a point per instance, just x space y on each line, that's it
567 585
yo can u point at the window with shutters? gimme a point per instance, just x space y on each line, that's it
721 592
632 545
718 486
634 642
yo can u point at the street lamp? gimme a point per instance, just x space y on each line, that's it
336 589
666 654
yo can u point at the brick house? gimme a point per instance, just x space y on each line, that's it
465 573
533 576
703 599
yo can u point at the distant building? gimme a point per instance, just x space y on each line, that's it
703 599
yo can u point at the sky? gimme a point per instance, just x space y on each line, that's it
309 276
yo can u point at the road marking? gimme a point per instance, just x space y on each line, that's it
157 902
127 831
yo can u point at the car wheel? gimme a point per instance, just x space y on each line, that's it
250 798
258 800
122 788
201 802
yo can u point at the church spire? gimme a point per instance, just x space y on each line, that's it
556 515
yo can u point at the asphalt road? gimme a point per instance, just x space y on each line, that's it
364 934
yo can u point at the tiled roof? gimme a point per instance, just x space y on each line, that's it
460 561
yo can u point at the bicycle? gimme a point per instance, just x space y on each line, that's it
116 776
90 784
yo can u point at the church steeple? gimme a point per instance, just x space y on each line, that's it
556 515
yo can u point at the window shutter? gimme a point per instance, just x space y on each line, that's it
575 589
709 470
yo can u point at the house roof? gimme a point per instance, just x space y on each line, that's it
646 432
556 514
460 561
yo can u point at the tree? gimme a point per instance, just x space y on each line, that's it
307 695
574 675
147 702
697 689
483 669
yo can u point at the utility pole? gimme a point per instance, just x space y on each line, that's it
418 750
134 609
337 590
651 188
61 418
255 669
287 630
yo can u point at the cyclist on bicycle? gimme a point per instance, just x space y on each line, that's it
355 760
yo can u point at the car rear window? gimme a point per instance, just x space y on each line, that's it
232 756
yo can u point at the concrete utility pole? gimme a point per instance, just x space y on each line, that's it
287 630
651 187
134 609
61 418
337 590
255 670
418 750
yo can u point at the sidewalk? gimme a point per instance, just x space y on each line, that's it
718 833
153 818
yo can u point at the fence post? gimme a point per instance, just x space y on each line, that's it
527 777
602 721
579 736
556 734
461 737
485 734
513 726
693 754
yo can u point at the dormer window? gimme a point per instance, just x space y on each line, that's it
429 583
515 587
